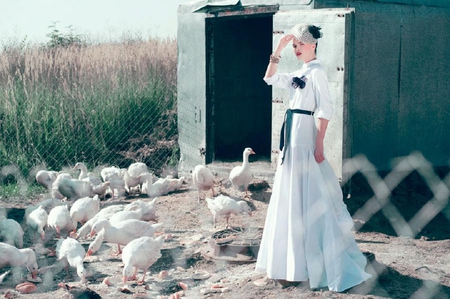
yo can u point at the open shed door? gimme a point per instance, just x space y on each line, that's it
334 50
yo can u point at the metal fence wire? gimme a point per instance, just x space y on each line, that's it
108 104
116 104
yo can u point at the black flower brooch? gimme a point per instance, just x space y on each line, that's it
299 82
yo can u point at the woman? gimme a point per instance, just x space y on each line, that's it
307 234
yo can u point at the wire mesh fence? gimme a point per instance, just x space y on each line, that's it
116 104
108 104
434 182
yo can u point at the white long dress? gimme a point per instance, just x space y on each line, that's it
307 233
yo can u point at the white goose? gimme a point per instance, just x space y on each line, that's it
224 205
241 176
105 213
59 219
55 187
98 186
203 179
73 189
131 175
83 170
114 176
10 230
146 179
121 233
14 257
148 209
47 205
37 220
140 253
46 178
165 186
84 209
126 214
70 252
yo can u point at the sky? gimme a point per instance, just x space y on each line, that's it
101 19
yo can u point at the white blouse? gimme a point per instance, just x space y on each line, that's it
315 96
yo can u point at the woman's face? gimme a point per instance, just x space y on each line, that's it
303 51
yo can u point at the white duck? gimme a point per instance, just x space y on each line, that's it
70 252
121 233
114 175
165 186
59 219
10 230
46 178
131 175
84 209
140 253
241 176
74 189
37 220
203 179
148 209
105 213
224 205
14 257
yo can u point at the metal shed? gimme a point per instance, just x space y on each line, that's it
387 65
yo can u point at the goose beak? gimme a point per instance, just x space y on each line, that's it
34 274
89 253
252 152
92 233
250 213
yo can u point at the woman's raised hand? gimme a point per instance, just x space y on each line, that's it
285 40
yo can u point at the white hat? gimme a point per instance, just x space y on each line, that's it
302 33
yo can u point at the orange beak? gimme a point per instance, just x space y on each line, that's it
89 253
92 233
34 274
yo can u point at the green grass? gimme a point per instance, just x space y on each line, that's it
101 105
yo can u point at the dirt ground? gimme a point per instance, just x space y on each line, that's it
402 267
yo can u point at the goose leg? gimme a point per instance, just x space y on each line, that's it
133 277
143 277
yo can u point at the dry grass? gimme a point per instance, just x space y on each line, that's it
86 103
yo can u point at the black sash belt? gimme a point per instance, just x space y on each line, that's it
285 134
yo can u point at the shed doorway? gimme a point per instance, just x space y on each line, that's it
239 102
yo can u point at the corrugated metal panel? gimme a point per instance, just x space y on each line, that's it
191 85
332 51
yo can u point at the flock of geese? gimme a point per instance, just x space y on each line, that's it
74 210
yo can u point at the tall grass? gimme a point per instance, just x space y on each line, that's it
101 104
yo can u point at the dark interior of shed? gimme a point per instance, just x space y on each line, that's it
239 102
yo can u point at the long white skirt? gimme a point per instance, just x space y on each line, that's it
307 233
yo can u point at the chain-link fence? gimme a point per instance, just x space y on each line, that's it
109 104
413 181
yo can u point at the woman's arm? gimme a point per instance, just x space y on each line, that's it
321 129
272 67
